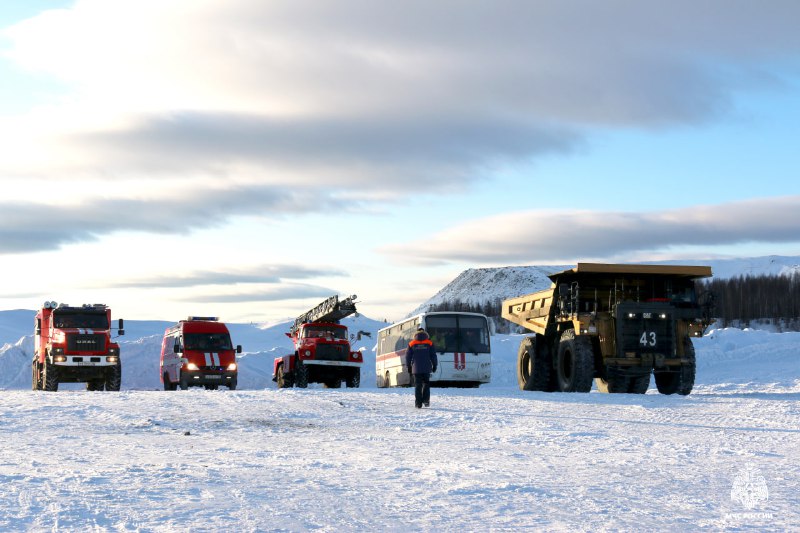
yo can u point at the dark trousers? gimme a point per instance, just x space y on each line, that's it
422 389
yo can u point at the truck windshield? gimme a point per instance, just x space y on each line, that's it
208 342
324 331
80 320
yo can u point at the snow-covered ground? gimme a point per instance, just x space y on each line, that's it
494 458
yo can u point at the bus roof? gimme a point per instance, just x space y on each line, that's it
428 313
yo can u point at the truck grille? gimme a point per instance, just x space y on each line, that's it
332 352
646 331
84 342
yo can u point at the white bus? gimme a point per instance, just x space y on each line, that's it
462 345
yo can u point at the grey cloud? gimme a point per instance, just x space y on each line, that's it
376 92
284 292
30 227
386 151
253 275
546 236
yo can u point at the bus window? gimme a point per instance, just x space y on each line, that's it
443 331
473 336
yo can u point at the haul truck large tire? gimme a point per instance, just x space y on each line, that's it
575 363
682 380
618 383
534 369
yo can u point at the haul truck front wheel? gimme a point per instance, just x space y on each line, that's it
575 363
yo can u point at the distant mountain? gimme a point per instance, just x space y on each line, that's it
480 286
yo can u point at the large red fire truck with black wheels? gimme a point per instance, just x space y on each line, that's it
73 345
322 352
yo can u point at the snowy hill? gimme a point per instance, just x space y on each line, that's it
486 285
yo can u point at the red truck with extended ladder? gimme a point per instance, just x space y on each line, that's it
73 345
322 352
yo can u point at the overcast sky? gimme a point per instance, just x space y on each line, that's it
246 158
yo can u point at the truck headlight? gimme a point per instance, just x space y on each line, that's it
232 367
192 366
57 351
356 355
112 359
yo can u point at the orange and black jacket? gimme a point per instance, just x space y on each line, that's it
421 357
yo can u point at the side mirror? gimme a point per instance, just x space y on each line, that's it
121 332
238 348
177 348
38 326
121 325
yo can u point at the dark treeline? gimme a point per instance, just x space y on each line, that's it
744 299
737 302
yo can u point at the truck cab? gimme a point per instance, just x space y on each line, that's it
73 345
198 352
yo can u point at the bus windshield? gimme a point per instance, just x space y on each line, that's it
207 342
458 333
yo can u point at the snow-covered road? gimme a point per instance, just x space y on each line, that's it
337 460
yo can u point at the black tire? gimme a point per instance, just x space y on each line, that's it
575 363
612 384
616 382
232 385
184 385
36 376
353 381
681 380
114 378
534 368
639 384
168 385
50 378
283 380
301 375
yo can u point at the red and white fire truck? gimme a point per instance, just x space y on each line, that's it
198 352
73 345
322 351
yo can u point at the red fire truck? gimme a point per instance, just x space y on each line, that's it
73 345
198 353
322 351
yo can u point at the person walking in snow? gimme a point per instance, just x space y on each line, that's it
421 361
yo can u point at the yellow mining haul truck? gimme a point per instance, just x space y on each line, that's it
615 324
